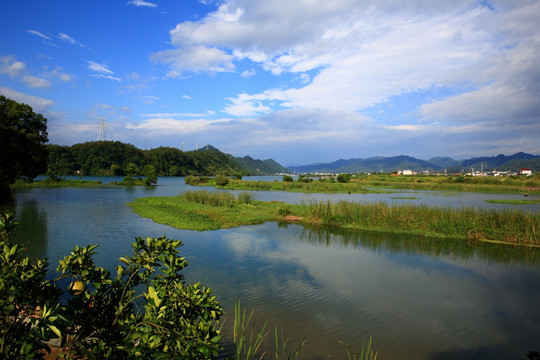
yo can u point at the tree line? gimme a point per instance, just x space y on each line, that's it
25 154
114 158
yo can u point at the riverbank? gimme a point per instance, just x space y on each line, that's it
58 182
380 183
55 182
203 210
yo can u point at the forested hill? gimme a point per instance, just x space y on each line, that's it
254 166
113 157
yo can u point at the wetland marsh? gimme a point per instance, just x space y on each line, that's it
418 297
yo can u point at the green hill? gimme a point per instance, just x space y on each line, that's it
260 167
112 157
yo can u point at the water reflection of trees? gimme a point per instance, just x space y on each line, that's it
32 228
410 244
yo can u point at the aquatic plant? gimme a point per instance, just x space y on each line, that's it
251 344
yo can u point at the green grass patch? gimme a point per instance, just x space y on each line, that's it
405 197
323 187
201 210
514 202
196 211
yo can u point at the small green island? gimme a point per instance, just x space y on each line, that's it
204 210
513 202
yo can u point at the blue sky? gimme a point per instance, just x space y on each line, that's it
299 81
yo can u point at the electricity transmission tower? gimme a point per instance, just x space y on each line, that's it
102 129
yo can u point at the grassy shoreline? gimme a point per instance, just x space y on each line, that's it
191 213
56 183
383 184
47 183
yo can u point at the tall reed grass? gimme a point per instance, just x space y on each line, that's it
510 226
367 353
247 341
251 344
214 198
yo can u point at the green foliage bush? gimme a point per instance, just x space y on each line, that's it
304 179
28 303
195 180
145 310
128 180
344 178
287 178
222 180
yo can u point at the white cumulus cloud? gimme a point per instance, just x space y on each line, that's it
17 69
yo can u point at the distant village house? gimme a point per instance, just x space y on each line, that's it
405 172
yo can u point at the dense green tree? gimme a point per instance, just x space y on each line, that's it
23 135
60 160
344 178
96 158
150 175
132 170
169 161
116 170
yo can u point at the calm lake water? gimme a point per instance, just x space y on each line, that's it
418 298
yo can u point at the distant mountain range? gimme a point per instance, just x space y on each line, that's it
402 162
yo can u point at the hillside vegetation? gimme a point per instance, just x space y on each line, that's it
109 158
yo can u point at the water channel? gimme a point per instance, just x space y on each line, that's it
417 298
